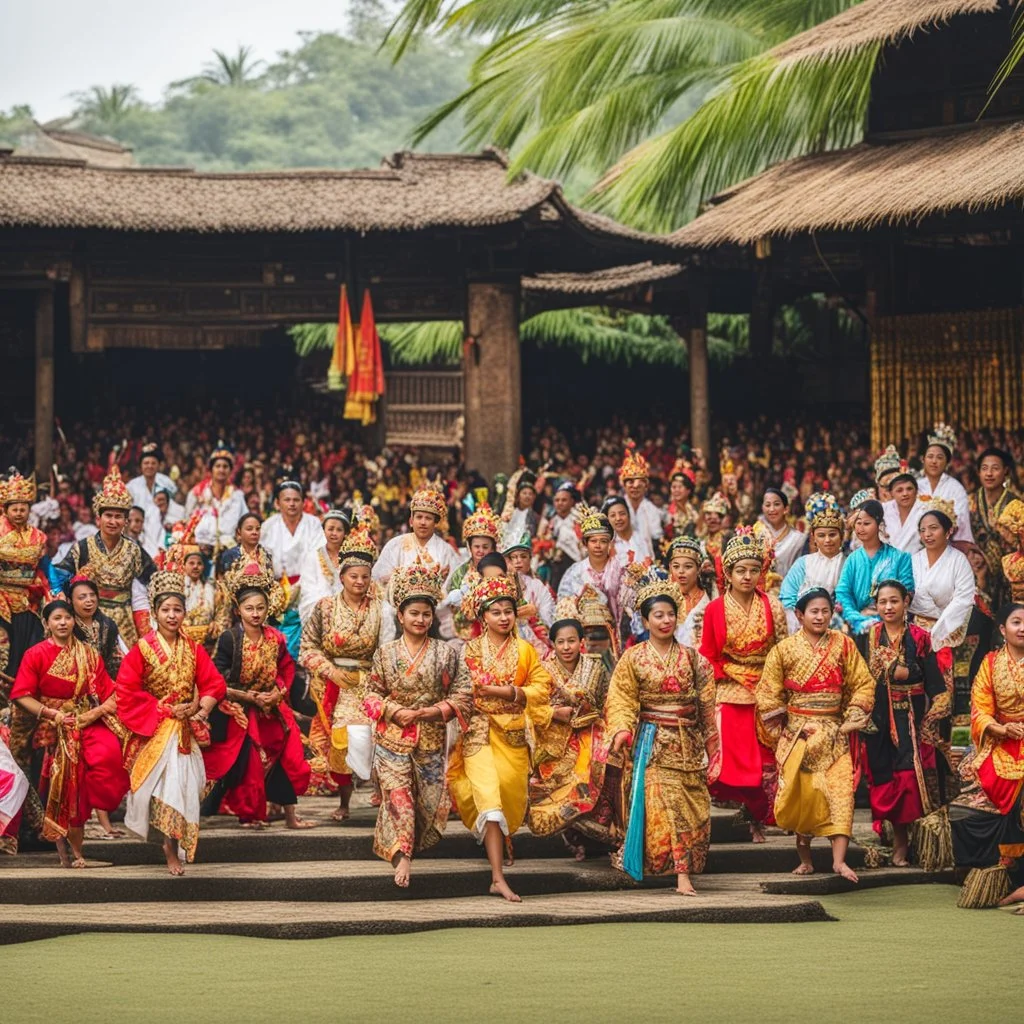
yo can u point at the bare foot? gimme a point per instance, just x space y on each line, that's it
292 819
402 869
1017 896
341 814
78 862
174 865
63 852
684 886
501 888
579 853
899 860
846 871
275 812
757 834
804 869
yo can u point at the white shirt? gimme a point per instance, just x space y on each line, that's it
287 550
538 593
607 582
904 535
226 510
646 520
788 545
685 630
637 543
83 531
143 496
944 592
952 490
405 549
318 578
563 534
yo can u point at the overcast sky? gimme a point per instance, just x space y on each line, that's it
55 47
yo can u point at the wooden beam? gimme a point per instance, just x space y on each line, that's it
697 343
762 312
44 412
493 378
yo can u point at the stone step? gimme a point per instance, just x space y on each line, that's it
721 901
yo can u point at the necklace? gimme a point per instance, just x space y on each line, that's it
665 660
490 657
413 658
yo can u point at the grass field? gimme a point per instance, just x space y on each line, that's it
902 954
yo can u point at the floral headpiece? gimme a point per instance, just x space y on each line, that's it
944 436
222 451
823 511
943 507
417 582
634 465
18 488
484 522
887 463
685 470
357 548
165 584
486 592
743 544
430 499
591 521
114 495
717 504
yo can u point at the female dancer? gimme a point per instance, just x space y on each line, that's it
789 544
320 575
685 560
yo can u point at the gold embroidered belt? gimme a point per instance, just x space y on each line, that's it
668 716
353 664
813 712
913 690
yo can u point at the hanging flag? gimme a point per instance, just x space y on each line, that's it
366 381
343 343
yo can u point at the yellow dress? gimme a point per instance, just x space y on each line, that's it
805 695
489 768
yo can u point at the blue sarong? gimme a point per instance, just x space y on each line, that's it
291 627
633 848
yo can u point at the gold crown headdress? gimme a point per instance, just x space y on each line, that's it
482 523
252 577
357 548
944 436
591 521
367 515
726 467
417 582
184 543
887 463
634 465
430 499
567 608
686 545
18 488
823 511
743 544
487 591
113 495
717 503
1012 516
943 507
654 582
165 583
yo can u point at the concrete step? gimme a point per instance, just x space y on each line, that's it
721 901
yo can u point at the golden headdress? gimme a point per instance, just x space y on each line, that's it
484 522
113 495
18 488
652 581
591 521
429 498
593 611
726 467
1012 517
634 465
717 503
367 515
165 583
184 543
823 511
416 582
686 545
743 544
944 436
887 463
487 591
357 548
567 609
252 577
943 507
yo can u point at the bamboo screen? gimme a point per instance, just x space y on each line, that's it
961 368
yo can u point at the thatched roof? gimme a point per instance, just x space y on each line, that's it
876 21
978 167
409 192
602 282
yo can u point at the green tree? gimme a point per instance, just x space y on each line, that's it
107 104
232 70
666 101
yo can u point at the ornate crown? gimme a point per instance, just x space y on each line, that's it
18 488
183 543
743 544
416 581
823 511
944 436
717 504
430 499
654 582
1012 516
591 521
634 465
252 577
367 516
113 495
888 462
686 546
165 583
682 468
221 451
484 522
866 494
942 506
593 609
567 608
486 592
357 548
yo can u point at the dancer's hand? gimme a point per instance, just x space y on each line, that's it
563 715
622 739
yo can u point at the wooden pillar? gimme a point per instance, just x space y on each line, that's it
493 378
697 345
44 384
762 313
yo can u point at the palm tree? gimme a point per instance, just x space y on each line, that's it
106 104
667 101
225 69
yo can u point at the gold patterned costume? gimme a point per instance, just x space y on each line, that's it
809 697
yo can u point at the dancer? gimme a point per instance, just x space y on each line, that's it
815 692
661 706
320 576
14 788
489 767
411 696
428 514
740 628
166 689
787 543
63 684
821 568
686 561
996 470
935 482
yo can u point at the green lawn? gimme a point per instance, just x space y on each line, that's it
903 954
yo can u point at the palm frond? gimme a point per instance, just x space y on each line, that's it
1013 58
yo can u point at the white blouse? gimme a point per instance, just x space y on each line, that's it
904 535
944 592
318 578
789 545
